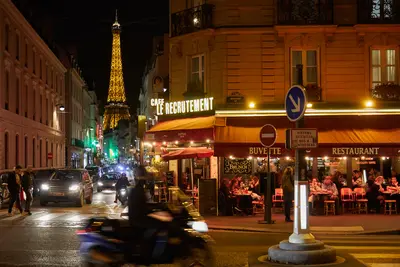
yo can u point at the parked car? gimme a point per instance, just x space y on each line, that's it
41 176
68 185
95 172
108 181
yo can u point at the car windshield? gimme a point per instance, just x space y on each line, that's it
44 174
67 175
109 176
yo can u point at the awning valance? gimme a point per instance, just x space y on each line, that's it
191 129
189 153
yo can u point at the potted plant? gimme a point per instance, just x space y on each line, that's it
386 92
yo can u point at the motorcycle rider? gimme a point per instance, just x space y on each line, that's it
138 213
121 183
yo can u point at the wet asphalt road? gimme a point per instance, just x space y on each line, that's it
48 239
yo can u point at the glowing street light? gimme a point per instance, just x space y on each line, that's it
252 105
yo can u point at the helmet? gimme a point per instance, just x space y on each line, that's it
123 174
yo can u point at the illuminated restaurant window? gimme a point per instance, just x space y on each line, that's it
383 66
309 60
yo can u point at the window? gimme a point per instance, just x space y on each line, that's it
26 151
40 69
46 152
382 9
383 66
309 60
16 149
26 57
51 151
46 114
7 37
40 153
34 152
34 62
197 71
26 104
40 109
17 96
7 90
33 104
6 149
17 55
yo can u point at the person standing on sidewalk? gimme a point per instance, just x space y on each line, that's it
288 192
27 186
14 187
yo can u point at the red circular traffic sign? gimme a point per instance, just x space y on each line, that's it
268 135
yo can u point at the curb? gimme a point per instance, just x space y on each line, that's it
277 231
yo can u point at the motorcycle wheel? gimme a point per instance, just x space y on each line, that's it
201 257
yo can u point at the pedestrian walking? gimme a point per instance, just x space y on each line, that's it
27 187
14 187
288 192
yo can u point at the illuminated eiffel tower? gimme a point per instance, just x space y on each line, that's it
116 108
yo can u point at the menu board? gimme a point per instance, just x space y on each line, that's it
237 166
170 178
208 196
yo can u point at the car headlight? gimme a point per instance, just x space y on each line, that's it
74 187
201 227
100 183
45 187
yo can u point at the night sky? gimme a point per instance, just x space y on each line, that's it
84 27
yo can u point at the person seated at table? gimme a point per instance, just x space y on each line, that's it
225 199
393 185
255 184
379 181
330 187
234 185
374 195
357 179
315 187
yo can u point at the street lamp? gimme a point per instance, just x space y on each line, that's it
252 105
369 103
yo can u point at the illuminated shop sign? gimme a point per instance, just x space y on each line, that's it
259 151
182 107
343 151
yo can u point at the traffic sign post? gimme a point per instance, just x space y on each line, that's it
301 248
268 138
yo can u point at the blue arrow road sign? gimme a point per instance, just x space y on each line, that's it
296 102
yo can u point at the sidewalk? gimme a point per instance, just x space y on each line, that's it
340 224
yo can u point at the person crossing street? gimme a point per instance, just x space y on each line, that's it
27 187
14 187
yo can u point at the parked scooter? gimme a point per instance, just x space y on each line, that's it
111 242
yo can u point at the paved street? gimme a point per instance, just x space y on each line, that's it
47 238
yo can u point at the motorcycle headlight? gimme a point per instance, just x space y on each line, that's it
201 227
123 192
113 184
74 187
45 187
100 183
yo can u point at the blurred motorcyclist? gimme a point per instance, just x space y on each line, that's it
138 213
121 183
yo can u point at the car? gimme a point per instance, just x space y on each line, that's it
95 172
68 185
41 176
108 181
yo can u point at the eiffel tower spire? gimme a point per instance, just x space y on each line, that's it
116 108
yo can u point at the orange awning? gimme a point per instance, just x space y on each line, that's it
189 153
250 135
191 129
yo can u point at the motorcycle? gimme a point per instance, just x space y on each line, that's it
122 196
112 242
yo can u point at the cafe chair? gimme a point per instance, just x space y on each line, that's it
258 206
390 206
277 199
346 197
329 207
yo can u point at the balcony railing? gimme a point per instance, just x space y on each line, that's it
378 11
311 12
191 20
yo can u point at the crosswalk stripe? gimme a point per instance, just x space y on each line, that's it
375 256
48 217
365 242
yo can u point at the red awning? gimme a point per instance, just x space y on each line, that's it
189 153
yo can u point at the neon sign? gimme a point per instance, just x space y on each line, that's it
182 107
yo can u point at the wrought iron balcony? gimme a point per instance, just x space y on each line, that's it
191 20
311 12
378 11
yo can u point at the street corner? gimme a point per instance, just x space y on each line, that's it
264 261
